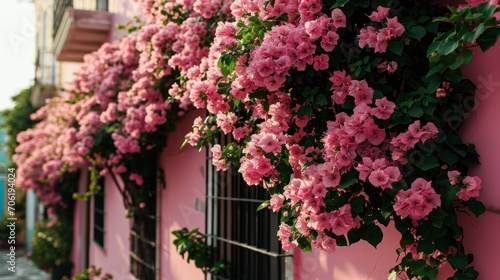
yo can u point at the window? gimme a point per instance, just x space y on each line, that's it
99 215
143 253
102 5
244 237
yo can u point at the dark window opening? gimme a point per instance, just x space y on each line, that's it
99 215
244 237
143 231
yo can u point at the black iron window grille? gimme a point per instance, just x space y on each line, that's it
99 215
244 237
143 233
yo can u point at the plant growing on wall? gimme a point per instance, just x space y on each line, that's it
120 105
348 113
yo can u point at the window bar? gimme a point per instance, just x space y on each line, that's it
249 247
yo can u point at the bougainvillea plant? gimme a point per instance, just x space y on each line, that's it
348 113
121 103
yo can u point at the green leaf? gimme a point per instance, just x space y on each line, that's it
488 38
436 69
418 267
431 272
341 241
433 47
305 111
354 235
476 207
321 100
433 83
450 192
426 246
458 261
304 244
466 57
263 205
373 235
348 179
396 47
429 162
415 111
447 47
416 32
448 156
340 3
357 204
454 75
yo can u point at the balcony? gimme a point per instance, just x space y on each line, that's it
40 93
80 27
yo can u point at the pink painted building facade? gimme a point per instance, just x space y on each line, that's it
183 202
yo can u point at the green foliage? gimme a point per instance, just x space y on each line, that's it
193 243
90 274
52 244
17 118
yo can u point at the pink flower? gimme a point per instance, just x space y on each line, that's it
329 41
142 205
378 178
136 178
395 29
313 29
361 92
284 233
441 93
365 169
384 108
471 188
418 201
264 67
217 160
321 62
380 14
269 143
339 18
453 177
276 202
390 67
325 243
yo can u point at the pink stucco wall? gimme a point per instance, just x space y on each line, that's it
360 261
482 129
185 188
114 257
78 246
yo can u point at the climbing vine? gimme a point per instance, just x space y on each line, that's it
348 113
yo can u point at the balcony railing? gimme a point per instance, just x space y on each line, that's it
80 27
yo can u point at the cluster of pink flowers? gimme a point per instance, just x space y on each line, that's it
418 201
126 89
48 150
469 185
406 141
350 142
379 38
442 92
250 81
